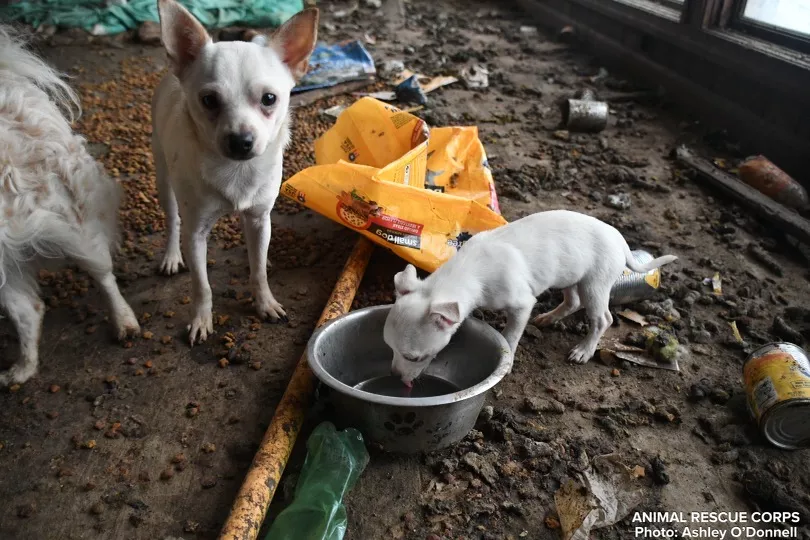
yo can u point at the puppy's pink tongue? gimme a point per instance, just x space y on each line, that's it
409 385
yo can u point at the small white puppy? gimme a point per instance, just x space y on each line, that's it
55 200
507 268
220 125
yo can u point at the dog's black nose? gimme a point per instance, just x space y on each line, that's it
240 145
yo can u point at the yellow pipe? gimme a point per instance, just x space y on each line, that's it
261 481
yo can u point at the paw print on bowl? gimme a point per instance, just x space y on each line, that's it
403 424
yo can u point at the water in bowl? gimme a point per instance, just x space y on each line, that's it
392 386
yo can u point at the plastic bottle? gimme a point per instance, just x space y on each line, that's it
333 464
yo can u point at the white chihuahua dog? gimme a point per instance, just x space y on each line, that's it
507 268
220 125
55 200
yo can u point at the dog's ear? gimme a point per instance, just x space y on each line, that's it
295 39
445 315
183 36
406 281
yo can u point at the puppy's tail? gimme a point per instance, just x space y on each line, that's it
633 264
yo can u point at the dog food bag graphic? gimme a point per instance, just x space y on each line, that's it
417 191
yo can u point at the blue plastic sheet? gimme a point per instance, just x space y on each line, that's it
334 64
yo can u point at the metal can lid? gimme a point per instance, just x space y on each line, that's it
781 345
787 424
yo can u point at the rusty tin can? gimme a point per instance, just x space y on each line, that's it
633 286
583 113
761 174
776 377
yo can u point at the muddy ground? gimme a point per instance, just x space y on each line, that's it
151 439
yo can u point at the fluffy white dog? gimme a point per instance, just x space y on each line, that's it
507 268
55 200
220 126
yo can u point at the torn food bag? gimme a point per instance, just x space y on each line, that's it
419 192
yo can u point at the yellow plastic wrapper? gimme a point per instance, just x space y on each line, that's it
417 191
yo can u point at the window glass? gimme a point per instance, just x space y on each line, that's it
791 15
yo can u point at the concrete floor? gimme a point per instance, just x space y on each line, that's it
171 400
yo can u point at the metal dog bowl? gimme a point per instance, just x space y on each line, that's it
348 354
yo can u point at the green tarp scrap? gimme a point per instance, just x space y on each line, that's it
100 17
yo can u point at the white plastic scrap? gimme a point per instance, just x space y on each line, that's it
606 493
334 111
475 76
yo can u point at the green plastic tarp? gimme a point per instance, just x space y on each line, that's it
100 17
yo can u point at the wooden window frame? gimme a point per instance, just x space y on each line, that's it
703 27
673 4
767 32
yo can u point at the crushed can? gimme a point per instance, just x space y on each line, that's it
776 377
634 286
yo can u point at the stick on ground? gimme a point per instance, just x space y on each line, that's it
787 220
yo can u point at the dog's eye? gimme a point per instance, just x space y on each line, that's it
268 99
209 101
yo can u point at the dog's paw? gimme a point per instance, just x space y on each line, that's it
126 325
200 328
269 308
17 374
544 319
581 354
172 263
